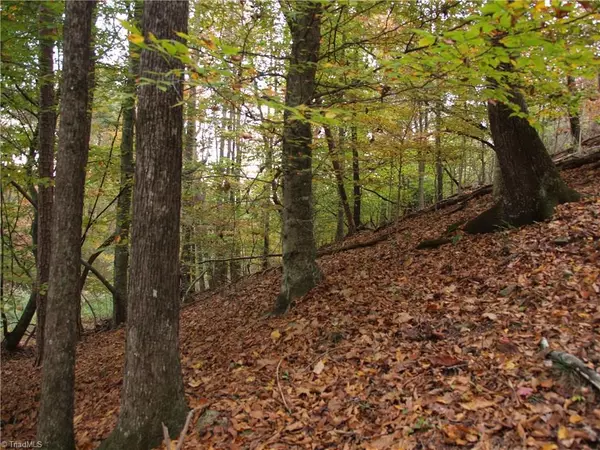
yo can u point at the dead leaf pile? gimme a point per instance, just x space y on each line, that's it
396 349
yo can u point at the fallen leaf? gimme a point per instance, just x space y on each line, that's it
403 318
275 335
319 367
563 433
524 391
575 418
194 383
294 426
477 404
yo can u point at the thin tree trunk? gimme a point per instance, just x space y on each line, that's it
439 167
121 262
55 419
219 277
88 124
339 177
267 205
421 164
235 266
356 191
153 385
11 340
574 121
300 270
45 197
483 172
188 247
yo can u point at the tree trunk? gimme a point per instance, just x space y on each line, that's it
235 266
88 122
219 275
356 178
574 121
153 385
267 204
300 270
121 263
339 177
45 197
532 186
439 167
188 248
55 419
421 163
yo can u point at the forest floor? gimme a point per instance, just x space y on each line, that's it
397 348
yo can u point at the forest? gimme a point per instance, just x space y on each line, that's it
286 224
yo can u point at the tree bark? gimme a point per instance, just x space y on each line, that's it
188 247
300 270
45 196
421 163
532 185
439 166
339 177
121 262
356 191
153 384
574 121
55 420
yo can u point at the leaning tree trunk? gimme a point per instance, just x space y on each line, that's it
121 262
11 340
339 177
531 184
300 270
45 197
55 419
153 385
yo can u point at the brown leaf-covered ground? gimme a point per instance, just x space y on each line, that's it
397 348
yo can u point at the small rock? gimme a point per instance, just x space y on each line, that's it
207 420
508 290
562 240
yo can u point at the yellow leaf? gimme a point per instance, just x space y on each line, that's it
575 418
198 365
563 433
194 383
509 365
275 335
549 446
136 38
330 114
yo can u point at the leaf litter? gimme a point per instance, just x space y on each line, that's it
396 349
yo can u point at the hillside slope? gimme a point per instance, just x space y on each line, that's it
397 348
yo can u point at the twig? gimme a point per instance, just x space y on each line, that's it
184 431
279 386
166 437
187 291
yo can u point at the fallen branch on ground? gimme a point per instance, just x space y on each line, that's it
576 365
573 363
279 386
